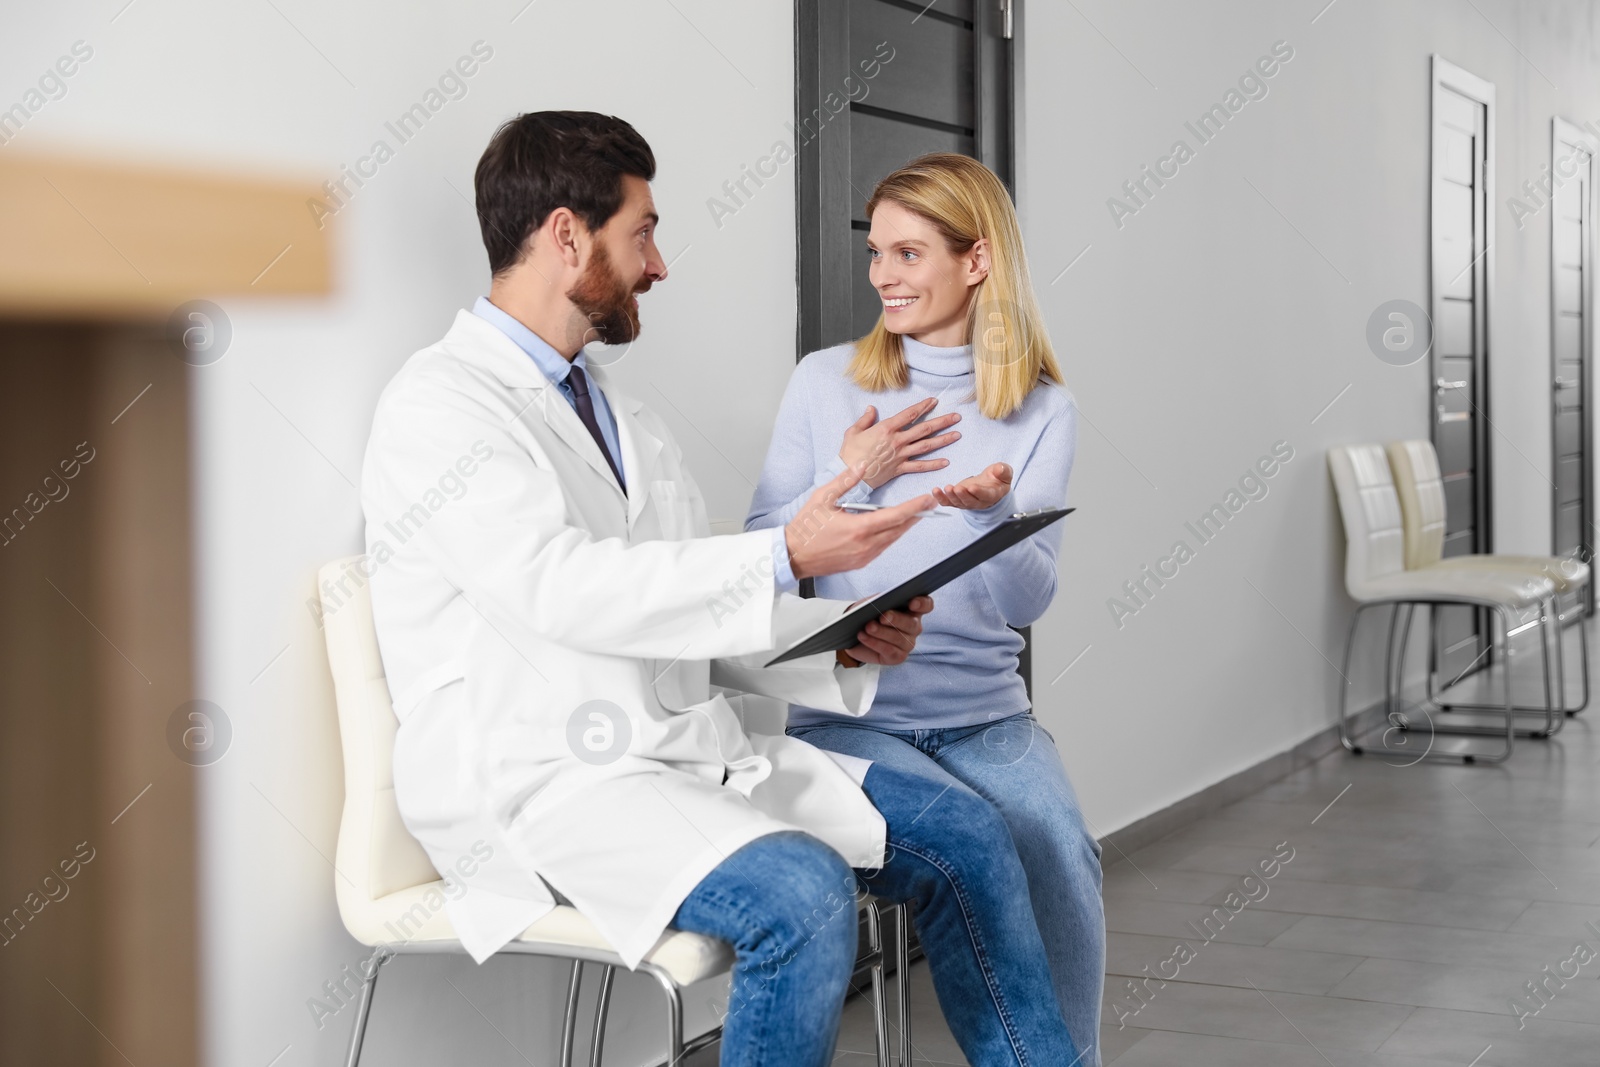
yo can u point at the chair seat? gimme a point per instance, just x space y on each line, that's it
686 957
1564 573
1510 589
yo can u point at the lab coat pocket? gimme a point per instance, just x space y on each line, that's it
674 507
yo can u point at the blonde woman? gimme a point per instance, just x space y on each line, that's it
961 359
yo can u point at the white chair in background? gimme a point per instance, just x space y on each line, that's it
1376 575
383 875
1415 466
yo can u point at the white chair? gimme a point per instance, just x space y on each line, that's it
384 875
1375 575
1415 466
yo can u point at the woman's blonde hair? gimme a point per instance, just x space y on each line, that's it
966 202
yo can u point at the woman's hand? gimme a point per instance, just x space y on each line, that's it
889 448
978 492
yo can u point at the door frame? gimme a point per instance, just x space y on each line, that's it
1564 129
822 179
1447 77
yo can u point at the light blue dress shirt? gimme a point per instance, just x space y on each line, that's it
554 366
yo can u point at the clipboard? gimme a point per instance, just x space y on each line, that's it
841 633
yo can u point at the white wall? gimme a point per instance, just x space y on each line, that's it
1206 328
711 86
1195 336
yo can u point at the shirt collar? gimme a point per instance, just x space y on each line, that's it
552 364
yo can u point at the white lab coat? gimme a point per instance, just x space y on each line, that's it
513 583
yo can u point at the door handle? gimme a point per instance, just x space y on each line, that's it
1441 385
1564 383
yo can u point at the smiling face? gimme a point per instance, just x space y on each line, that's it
623 262
925 288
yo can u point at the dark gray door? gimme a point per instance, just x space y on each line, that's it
1461 242
1571 257
878 83
881 82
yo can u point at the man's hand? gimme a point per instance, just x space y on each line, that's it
824 540
890 638
978 492
889 448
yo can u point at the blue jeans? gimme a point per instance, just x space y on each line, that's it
1005 777
786 903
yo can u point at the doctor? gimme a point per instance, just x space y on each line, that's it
569 650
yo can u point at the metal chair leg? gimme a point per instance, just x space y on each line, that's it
1505 634
569 1025
363 1011
1583 653
902 978
674 1013
1583 647
880 1004
1548 711
1555 717
1347 739
1398 720
602 1007
1508 655
1505 680
1397 701
1391 687
1561 651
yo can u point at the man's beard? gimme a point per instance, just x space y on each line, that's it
606 302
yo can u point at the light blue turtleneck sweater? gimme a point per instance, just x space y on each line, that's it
964 668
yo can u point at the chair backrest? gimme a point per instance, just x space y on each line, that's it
1374 536
1415 466
376 855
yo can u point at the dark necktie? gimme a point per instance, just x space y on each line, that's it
580 396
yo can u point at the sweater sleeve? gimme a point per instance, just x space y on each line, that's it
791 473
1022 579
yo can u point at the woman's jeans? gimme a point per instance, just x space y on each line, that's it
993 796
786 903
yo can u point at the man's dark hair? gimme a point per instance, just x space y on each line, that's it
543 160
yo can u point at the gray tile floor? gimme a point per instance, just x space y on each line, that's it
1418 902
